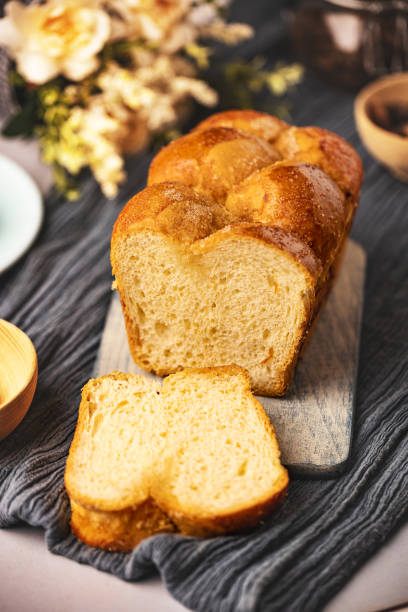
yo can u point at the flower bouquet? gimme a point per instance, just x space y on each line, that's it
95 80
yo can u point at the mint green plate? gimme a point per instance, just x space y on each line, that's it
21 212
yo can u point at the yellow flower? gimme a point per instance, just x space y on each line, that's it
200 54
55 38
56 113
49 95
283 78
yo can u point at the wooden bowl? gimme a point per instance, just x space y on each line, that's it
388 148
18 376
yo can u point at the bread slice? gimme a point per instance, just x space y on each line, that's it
197 456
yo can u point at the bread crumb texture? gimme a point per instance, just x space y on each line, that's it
196 455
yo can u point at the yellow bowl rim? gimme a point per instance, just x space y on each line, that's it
33 370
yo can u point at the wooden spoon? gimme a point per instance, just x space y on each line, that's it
18 376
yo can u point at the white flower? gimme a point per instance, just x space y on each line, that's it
203 14
199 90
179 36
55 38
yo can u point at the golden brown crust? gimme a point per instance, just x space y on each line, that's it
326 150
262 125
235 522
314 208
121 531
173 209
212 161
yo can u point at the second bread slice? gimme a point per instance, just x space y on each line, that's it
197 456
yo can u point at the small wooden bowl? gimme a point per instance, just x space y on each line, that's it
388 148
18 376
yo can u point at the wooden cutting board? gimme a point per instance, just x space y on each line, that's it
314 421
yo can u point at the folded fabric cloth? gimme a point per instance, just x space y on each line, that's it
306 551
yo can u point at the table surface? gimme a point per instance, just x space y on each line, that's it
32 578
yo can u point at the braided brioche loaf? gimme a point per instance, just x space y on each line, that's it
226 257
